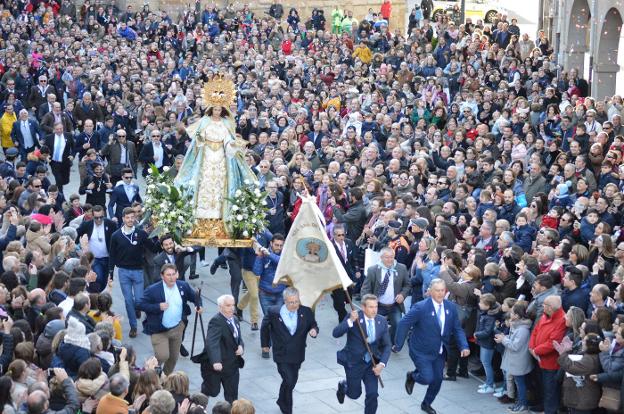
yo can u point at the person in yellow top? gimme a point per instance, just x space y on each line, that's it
104 303
6 126
363 53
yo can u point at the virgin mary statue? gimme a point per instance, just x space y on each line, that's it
214 166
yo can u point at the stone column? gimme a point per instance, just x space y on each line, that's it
603 82
574 58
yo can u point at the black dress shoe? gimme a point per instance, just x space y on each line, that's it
194 276
133 333
213 268
183 351
462 374
409 383
450 377
428 409
239 314
340 393
254 326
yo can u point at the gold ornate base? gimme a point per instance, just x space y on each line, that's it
211 233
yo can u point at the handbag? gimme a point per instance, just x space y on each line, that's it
610 399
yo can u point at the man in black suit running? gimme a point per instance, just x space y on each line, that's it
223 356
287 327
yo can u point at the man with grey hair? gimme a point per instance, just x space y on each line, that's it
25 134
550 327
223 355
287 327
161 402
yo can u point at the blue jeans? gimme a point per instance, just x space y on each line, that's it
131 282
486 356
521 389
393 315
100 267
269 299
550 385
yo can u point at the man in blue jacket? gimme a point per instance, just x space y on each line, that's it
354 357
433 323
166 305
265 267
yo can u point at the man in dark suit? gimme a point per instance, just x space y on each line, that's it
46 107
170 254
390 282
286 327
123 195
316 135
223 355
87 109
25 134
155 153
346 253
433 323
354 357
89 138
61 146
99 232
39 93
54 117
166 305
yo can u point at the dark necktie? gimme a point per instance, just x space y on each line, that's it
384 283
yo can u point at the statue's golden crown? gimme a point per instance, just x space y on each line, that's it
219 91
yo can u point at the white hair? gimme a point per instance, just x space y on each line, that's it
221 299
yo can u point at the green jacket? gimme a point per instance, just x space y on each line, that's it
337 15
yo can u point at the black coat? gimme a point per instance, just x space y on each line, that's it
287 348
349 264
221 346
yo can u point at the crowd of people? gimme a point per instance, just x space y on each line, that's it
458 155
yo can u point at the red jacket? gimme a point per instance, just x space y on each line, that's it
386 9
547 330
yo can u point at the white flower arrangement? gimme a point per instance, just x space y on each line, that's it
250 210
166 205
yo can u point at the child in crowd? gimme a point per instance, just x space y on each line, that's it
490 312
523 232
517 360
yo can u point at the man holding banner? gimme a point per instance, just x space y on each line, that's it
356 358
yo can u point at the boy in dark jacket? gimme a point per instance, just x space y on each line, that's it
524 234
490 312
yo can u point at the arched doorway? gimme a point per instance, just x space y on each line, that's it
606 65
577 47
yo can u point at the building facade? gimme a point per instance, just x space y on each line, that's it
587 35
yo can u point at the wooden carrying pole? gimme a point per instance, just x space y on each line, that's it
364 336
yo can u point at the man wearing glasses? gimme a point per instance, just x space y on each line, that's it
124 194
99 232
39 93
120 154
155 153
